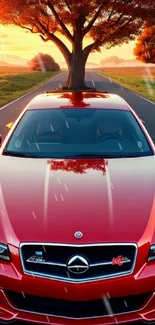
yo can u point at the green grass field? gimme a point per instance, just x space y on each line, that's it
140 80
16 83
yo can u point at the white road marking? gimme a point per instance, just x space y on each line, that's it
110 79
60 85
93 83
148 100
30 92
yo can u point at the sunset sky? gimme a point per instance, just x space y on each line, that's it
17 41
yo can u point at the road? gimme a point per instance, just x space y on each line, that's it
144 108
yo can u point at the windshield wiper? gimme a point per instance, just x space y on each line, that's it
20 154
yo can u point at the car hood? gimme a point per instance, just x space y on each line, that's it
49 200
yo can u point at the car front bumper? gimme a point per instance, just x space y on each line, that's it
13 279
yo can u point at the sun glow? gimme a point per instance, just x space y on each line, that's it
20 42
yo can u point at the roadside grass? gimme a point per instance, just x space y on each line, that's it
16 84
139 79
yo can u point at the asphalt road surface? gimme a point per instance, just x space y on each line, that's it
143 107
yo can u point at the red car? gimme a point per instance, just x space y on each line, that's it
77 213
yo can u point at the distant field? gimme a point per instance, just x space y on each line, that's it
140 80
14 82
11 70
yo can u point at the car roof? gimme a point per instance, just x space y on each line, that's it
68 99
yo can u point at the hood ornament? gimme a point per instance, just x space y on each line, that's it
78 234
77 264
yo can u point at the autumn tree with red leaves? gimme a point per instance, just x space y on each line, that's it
107 22
145 46
43 62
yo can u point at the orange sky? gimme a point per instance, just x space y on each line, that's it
17 41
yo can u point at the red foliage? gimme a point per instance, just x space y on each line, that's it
145 47
108 22
43 62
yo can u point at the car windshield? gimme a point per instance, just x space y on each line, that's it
81 132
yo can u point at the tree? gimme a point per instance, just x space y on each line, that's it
145 46
111 61
108 22
43 62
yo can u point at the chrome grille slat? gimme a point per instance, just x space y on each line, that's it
56 256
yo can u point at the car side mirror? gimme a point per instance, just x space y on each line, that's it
0 140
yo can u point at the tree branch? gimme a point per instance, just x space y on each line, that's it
88 49
126 23
49 36
64 28
17 23
45 39
118 19
92 21
111 13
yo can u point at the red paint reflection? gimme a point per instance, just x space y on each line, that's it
77 98
79 166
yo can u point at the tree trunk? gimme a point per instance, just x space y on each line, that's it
77 72
76 77
76 62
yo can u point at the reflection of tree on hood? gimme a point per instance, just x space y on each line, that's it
79 166
77 99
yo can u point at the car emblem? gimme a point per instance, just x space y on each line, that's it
120 260
78 234
77 264
37 258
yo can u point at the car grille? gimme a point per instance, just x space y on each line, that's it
76 309
50 260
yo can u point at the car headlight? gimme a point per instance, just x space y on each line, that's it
152 253
4 252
